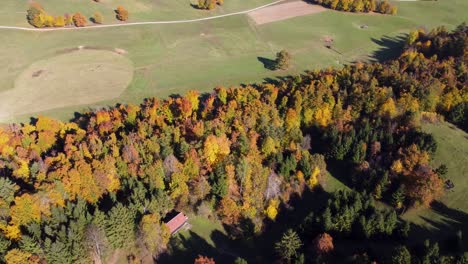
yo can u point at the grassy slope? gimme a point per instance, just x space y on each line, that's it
13 11
445 218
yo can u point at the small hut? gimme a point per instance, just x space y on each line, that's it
176 222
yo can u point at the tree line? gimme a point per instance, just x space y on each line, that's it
73 191
39 18
209 4
366 6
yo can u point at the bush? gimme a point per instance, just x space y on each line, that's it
209 4
79 20
36 16
121 13
59 21
359 6
97 18
283 60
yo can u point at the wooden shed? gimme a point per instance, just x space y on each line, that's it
177 222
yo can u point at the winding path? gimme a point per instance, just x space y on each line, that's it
142 23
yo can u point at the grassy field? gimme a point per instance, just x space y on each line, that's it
450 214
74 78
171 59
14 11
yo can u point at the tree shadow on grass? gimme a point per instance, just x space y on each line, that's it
185 249
267 63
341 170
390 47
443 231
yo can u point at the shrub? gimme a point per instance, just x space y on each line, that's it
79 20
207 4
36 16
283 60
121 13
97 18
59 21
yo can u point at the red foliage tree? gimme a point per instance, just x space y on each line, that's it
204 260
323 244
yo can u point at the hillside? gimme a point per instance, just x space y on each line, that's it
451 214
228 51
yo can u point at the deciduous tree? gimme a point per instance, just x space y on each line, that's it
97 18
121 13
323 244
283 60
79 20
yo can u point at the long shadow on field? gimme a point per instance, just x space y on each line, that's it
390 47
185 250
445 231
267 63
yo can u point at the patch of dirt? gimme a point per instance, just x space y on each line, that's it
327 38
70 50
37 73
120 51
284 11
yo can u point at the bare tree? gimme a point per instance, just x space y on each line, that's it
97 243
273 186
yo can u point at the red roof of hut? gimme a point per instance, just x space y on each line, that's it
176 222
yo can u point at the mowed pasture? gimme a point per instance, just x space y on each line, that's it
76 77
173 58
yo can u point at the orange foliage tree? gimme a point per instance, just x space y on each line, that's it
204 260
79 20
121 13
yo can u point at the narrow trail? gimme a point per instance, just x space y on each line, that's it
141 23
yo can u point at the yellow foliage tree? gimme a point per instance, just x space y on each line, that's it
388 109
292 120
25 210
397 166
79 182
22 171
269 146
154 233
216 148
193 97
272 209
408 103
16 256
59 21
313 180
178 187
12 232
323 115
